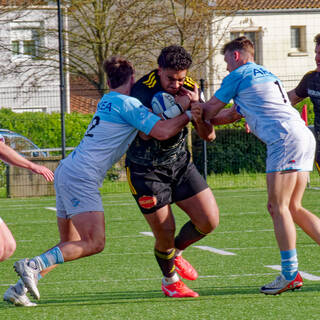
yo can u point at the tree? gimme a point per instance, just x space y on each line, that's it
135 29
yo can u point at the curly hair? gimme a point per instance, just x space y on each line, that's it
118 71
174 57
317 39
241 43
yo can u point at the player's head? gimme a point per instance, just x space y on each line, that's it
317 51
238 52
174 62
119 71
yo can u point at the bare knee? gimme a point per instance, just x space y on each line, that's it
208 223
8 249
95 245
164 238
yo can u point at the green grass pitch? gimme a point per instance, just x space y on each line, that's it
123 282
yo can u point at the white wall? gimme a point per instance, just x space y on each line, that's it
275 42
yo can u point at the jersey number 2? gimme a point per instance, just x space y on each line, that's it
95 121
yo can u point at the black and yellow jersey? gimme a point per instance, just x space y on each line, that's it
154 152
309 86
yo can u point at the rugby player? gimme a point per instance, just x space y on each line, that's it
160 173
309 86
259 97
80 213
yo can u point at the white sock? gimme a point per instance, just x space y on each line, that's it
173 279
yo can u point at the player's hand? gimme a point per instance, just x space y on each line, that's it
197 112
44 171
183 100
193 95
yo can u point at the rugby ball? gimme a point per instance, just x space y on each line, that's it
161 102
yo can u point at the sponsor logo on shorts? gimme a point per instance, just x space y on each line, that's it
147 202
292 161
75 202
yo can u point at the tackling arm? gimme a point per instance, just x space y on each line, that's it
294 99
164 130
10 156
226 116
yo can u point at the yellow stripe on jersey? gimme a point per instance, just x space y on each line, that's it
151 81
133 190
318 166
189 81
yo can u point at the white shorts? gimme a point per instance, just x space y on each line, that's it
295 152
75 195
1 220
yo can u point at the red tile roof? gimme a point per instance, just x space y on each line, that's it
268 4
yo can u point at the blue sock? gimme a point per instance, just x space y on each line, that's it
49 258
289 264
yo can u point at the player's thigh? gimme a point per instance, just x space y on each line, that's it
76 195
280 187
67 230
7 241
202 209
90 225
150 186
299 189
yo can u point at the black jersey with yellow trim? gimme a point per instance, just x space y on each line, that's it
309 86
146 87
153 152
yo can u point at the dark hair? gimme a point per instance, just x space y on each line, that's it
238 44
118 71
174 57
317 39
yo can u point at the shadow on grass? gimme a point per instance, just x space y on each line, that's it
154 296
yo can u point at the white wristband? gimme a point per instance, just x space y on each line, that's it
189 114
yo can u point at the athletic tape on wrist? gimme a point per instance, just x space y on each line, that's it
189 114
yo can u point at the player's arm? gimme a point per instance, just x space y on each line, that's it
225 116
10 156
164 130
203 127
210 108
294 99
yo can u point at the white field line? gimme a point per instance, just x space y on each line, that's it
51 208
214 250
147 233
304 275
206 248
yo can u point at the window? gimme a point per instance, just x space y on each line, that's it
255 37
26 40
298 38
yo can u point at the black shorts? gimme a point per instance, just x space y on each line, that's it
155 187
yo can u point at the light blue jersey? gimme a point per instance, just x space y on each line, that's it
261 99
113 127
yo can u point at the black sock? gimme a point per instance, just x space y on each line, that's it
187 236
166 262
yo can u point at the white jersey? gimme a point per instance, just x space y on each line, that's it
113 127
261 99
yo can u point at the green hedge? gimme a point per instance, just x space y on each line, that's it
235 151
45 129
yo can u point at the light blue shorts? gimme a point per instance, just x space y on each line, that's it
75 195
295 151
